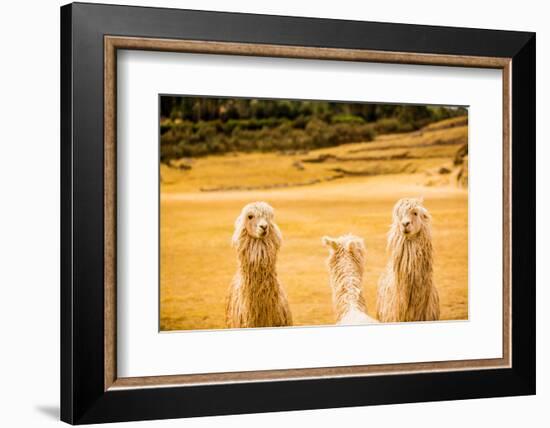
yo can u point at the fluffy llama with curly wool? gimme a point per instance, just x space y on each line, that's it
346 263
256 297
406 291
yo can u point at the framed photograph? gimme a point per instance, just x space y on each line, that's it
265 213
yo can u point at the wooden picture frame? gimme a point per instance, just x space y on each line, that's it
90 389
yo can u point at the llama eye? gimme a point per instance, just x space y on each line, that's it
415 213
250 216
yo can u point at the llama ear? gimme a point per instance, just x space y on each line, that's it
421 199
426 215
329 242
237 232
277 232
396 208
356 246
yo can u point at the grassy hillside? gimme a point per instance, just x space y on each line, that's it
423 151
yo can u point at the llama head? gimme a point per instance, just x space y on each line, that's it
410 217
256 222
346 252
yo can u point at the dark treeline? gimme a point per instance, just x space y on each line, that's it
198 126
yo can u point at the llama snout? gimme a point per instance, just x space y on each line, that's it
262 228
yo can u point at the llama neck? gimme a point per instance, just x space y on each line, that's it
411 258
257 260
347 293
347 298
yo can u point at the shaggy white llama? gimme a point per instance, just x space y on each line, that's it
346 263
256 298
406 291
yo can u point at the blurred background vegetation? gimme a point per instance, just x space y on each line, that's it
200 126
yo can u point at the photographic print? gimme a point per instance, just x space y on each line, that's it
279 213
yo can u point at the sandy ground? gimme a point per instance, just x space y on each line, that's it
197 261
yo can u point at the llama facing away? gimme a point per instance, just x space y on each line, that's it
346 263
406 291
256 297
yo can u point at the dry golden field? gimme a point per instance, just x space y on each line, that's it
347 189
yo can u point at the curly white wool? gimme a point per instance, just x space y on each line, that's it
346 266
